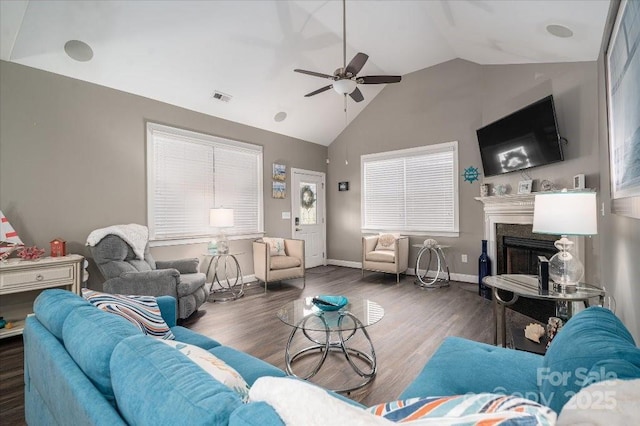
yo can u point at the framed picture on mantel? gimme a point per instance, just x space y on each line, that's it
623 82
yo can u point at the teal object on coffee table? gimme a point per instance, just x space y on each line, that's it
330 303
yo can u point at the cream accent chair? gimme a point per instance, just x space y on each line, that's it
270 268
391 261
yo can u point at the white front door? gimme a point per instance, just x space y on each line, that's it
307 214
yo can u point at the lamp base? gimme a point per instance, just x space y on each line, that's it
565 270
223 244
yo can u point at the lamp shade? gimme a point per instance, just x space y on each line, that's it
565 213
221 218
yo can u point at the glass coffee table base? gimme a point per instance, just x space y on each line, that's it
339 345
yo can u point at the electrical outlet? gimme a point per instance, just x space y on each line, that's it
464 258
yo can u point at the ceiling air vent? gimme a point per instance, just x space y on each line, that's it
221 96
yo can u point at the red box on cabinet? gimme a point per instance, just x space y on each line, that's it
58 247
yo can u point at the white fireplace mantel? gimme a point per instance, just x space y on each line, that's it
512 209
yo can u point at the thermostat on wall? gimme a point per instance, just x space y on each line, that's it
343 186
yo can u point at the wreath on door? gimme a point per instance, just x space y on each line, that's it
307 197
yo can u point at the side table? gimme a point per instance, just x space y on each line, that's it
442 276
527 286
332 334
227 275
21 281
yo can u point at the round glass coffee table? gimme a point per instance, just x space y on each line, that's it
327 332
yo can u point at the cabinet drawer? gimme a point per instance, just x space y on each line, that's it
36 278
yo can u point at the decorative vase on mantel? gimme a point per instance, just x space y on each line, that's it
484 269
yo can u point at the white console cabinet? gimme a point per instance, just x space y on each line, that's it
22 280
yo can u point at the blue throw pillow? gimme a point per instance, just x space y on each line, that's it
592 337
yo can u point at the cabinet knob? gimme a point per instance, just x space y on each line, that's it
39 277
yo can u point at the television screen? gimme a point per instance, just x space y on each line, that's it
527 138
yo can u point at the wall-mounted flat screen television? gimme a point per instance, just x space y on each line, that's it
526 138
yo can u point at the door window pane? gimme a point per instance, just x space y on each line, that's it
308 198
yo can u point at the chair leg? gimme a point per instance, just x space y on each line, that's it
265 286
304 282
398 278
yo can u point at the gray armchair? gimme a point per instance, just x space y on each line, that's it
126 274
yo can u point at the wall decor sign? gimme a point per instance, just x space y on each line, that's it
343 186
524 186
279 172
623 83
471 174
279 189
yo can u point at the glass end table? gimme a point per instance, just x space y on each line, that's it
332 332
527 286
227 282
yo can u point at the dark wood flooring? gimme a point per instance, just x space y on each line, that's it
415 323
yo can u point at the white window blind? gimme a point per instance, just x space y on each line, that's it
411 191
189 173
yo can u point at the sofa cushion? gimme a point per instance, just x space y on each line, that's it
189 283
284 262
145 370
593 336
249 367
276 246
381 256
470 409
287 396
90 335
52 307
257 413
141 311
461 366
213 365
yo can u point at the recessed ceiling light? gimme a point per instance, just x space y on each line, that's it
280 116
78 50
559 31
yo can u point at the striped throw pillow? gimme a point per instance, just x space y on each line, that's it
470 409
142 311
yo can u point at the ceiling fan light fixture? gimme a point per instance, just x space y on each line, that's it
344 86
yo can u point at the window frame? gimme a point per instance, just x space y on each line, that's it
405 153
189 136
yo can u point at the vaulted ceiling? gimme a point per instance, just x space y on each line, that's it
181 52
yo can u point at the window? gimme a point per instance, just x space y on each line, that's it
412 190
189 173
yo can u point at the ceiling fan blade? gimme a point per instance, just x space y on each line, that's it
379 79
323 89
356 95
356 63
316 74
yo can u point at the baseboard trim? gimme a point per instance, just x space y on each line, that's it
345 263
465 278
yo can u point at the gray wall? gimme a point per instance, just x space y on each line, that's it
72 159
449 102
619 235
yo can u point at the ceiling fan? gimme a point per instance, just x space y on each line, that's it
345 79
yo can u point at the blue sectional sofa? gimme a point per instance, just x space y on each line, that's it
84 366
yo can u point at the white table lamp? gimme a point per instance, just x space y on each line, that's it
220 218
565 213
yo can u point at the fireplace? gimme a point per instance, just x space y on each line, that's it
517 253
515 214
